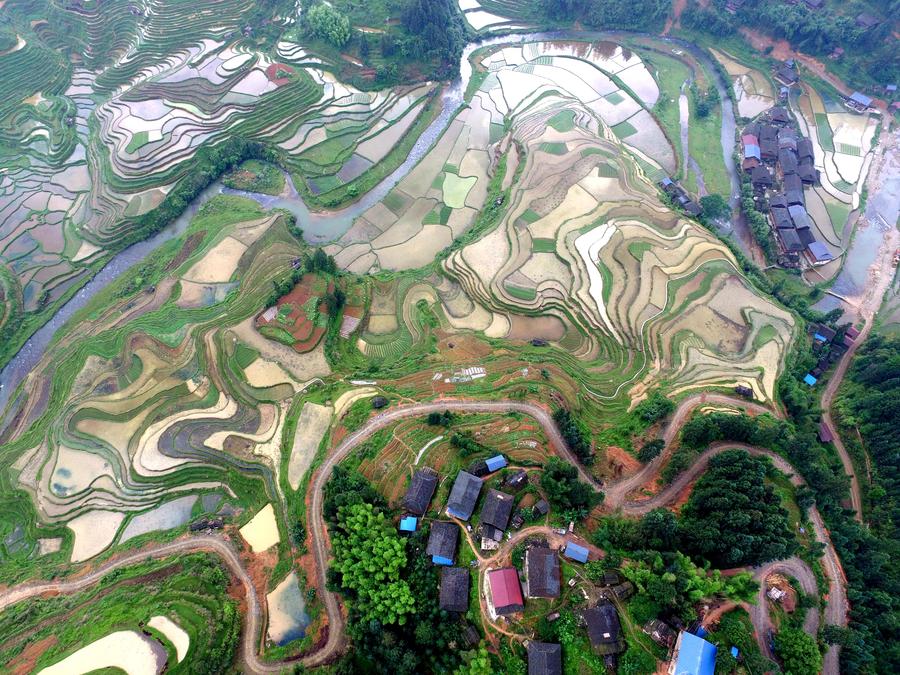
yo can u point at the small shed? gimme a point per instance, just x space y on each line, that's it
852 332
820 252
825 434
575 552
542 508
454 594
442 541
810 380
518 480
496 463
409 524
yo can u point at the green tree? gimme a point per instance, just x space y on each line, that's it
478 662
328 24
715 207
733 516
369 555
798 652
654 408
566 491
637 661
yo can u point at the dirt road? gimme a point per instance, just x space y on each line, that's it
616 497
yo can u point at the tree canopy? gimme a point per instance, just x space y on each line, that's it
566 491
369 554
733 517
328 24
798 652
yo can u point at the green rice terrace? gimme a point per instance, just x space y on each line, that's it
308 286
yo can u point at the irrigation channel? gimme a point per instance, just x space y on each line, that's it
323 226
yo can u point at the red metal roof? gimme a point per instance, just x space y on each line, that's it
505 588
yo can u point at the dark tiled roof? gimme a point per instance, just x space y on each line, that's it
542 572
604 629
497 509
761 176
454 596
788 161
542 507
805 148
442 540
792 182
544 658
795 198
464 495
421 490
782 218
791 240
800 217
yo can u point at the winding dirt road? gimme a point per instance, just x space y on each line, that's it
616 497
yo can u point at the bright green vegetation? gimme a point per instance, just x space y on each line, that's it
671 74
543 245
736 630
624 130
798 651
255 176
826 135
705 146
191 591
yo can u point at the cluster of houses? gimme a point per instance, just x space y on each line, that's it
680 196
780 163
828 348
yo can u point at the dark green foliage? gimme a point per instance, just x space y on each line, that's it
715 207
211 162
346 488
444 419
566 492
334 302
435 29
651 449
733 517
575 436
423 645
466 444
735 630
654 408
759 225
642 15
798 652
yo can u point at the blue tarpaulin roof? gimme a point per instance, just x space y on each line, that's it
752 151
701 632
696 656
408 524
810 380
496 463
820 338
820 252
862 99
575 552
441 560
734 652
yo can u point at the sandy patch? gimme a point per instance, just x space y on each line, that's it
94 531
263 374
175 634
49 545
219 263
303 367
126 650
261 533
311 427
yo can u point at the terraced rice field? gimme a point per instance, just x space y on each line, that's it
842 145
102 143
563 249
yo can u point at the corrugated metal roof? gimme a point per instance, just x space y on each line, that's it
696 656
575 552
496 463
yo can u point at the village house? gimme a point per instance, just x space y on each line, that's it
454 593
693 656
464 495
604 630
505 595
421 490
541 572
544 658
442 541
495 513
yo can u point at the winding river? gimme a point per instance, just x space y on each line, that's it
320 227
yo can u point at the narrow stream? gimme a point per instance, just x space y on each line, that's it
318 227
